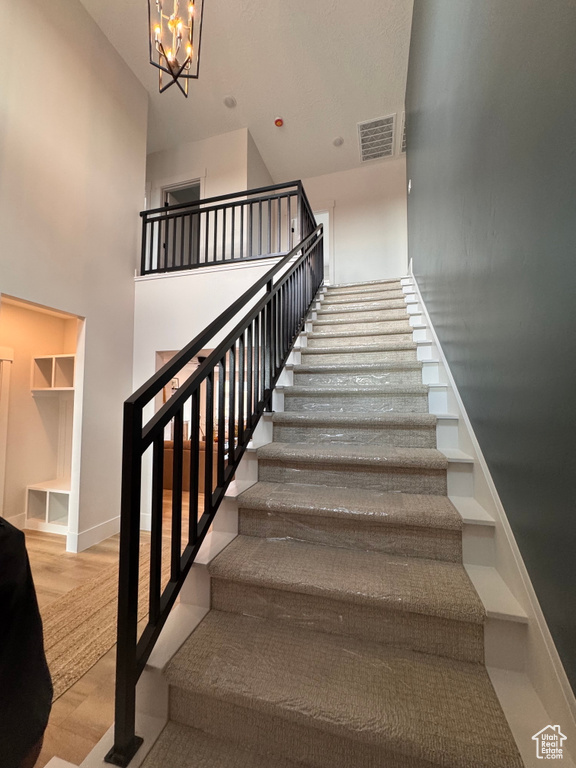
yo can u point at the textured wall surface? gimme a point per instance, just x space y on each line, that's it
491 110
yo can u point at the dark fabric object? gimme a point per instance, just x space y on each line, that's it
25 684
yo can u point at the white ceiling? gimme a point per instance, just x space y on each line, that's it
322 65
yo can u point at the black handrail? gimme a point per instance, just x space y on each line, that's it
229 228
226 395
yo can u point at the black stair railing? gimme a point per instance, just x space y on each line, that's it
219 405
246 225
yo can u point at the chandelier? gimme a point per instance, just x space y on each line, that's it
175 32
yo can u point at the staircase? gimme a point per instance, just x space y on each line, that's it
344 630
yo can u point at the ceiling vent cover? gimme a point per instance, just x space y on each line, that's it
376 138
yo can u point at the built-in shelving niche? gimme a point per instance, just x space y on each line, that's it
48 503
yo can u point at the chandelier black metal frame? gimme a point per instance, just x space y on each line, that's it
175 37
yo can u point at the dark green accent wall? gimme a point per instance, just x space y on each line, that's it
491 127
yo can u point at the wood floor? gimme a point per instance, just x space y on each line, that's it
83 714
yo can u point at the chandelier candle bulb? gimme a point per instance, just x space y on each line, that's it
173 31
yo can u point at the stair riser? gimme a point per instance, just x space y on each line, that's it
386 327
295 741
377 478
409 378
346 341
327 310
374 623
353 358
353 319
351 298
397 437
433 544
357 403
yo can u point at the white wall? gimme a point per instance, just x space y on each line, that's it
171 310
72 153
369 219
219 162
258 174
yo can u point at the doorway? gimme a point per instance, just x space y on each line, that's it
325 217
181 234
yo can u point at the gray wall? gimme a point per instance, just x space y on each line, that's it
491 120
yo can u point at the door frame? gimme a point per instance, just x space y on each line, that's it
328 207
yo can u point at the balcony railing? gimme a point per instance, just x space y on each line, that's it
246 225
219 404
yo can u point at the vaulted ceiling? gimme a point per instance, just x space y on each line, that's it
322 65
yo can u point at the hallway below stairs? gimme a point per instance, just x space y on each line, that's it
344 631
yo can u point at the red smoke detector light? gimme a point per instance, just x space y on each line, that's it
278 122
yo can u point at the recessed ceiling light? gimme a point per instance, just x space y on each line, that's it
230 102
338 141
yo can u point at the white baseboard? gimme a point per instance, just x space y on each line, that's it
543 665
18 521
78 542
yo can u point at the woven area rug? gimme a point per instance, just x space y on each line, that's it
80 626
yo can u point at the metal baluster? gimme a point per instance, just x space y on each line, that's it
215 255
242 230
207 237
232 404
194 468
241 385
224 217
233 231
249 376
156 529
260 228
208 463
176 543
221 419
269 227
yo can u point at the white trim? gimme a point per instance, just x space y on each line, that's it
78 542
544 667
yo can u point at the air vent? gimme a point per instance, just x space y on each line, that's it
403 147
376 138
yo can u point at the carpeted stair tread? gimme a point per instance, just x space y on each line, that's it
332 299
361 306
365 284
370 389
361 455
402 705
388 315
382 420
373 579
390 509
406 328
180 746
385 346
408 365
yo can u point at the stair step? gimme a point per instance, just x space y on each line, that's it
367 353
331 299
359 375
396 523
352 321
330 701
407 470
424 605
344 339
361 306
350 399
180 746
370 328
403 430
367 284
